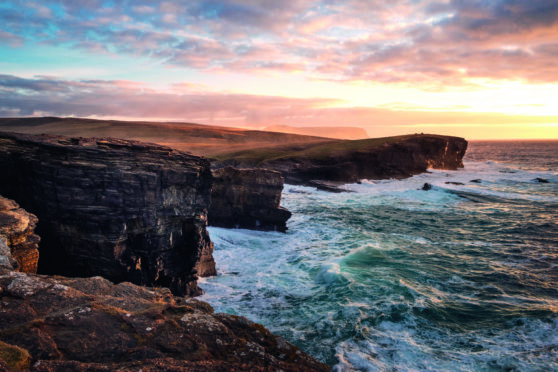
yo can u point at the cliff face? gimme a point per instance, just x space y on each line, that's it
17 228
125 210
247 198
371 159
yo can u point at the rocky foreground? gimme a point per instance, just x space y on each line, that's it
54 323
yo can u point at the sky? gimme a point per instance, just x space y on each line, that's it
477 69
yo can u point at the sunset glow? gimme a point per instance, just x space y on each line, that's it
474 69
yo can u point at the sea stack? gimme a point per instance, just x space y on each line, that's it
248 198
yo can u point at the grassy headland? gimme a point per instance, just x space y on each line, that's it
299 158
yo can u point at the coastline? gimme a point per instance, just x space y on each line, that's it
134 165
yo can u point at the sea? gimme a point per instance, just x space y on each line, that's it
389 277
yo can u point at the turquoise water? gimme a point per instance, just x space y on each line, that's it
390 277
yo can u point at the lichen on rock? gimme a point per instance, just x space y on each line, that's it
81 324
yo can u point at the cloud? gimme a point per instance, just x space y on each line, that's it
445 43
10 39
49 96
46 96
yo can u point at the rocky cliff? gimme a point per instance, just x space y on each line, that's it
248 198
125 210
17 227
90 324
350 161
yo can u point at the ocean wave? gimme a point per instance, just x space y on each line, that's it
461 277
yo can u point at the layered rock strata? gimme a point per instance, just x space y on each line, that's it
351 161
90 324
17 232
125 210
248 198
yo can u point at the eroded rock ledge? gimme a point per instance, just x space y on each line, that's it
125 210
248 198
90 324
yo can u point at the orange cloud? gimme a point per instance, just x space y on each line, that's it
118 99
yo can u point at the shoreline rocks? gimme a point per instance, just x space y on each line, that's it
54 323
247 198
82 324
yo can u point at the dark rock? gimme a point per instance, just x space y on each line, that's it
247 198
90 324
476 181
426 186
17 227
125 210
454 183
351 161
541 180
335 187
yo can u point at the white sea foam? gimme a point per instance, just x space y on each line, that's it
393 277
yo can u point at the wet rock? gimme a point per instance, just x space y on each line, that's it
248 198
336 187
426 186
541 180
125 210
454 183
476 181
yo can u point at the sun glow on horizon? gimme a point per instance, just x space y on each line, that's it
388 68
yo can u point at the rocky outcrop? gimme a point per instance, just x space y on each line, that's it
90 324
17 230
248 198
125 210
351 161
56 323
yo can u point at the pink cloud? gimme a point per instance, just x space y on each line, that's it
425 42
191 103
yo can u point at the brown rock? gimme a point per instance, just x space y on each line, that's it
125 210
18 226
90 324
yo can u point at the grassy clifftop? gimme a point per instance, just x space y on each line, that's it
206 140
299 158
